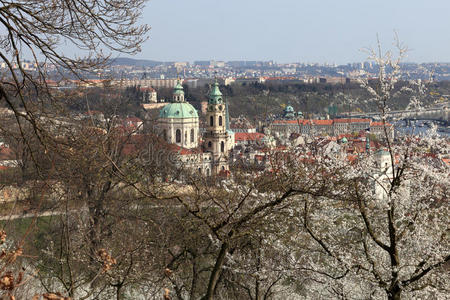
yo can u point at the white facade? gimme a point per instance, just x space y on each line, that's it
182 132
179 124
382 174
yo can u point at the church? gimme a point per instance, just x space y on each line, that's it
207 152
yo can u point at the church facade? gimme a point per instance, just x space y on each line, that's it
207 153
179 122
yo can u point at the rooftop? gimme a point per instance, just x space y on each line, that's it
245 136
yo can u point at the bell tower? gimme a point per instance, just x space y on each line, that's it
216 135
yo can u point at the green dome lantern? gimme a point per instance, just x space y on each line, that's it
215 95
178 108
178 89
178 92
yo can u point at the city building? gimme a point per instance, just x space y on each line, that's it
149 95
155 83
218 137
179 125
178 121
241 124
245 138
293 122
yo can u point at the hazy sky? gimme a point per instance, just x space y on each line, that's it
294 30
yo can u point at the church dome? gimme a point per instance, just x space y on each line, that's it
178 110
289 112
289 109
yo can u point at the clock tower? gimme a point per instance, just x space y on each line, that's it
216 136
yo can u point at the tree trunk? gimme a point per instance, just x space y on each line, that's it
213 279
395 293
119 292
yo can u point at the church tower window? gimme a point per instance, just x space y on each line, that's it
222 147
178 136
220 120
192 135
211 121
209 144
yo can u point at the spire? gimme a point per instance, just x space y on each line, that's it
215 95
227 117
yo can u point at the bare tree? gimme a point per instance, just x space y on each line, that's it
39 29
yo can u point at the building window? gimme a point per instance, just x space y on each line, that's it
192 135
223 168
220 120
178 136
185 137
209 144
222 146
211 121
165 134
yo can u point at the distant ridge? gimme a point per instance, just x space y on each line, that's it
136 62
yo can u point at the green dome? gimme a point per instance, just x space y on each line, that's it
344 140
382 153
289 112
215 95
178 110
289 109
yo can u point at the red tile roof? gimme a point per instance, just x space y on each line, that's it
245 136
379 124
322 122
302 122
351 158
329 122
346 135
351 120
133 119
183 151
147 89
6 154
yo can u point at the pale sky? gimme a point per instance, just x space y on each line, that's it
321 31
